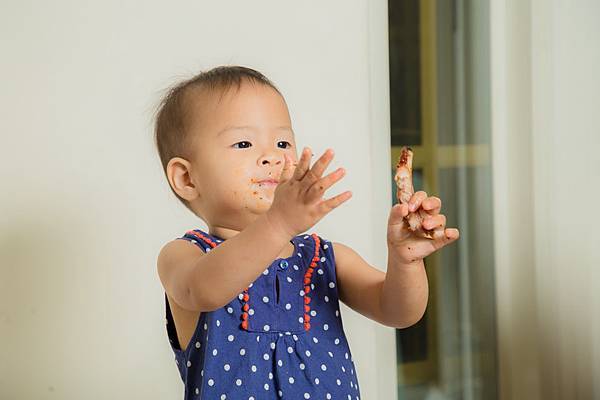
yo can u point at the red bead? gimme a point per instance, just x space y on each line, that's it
306 299
306 281
246 307
306 326
306 308
246 297
307 318
306 289
245 316
245 325
202 237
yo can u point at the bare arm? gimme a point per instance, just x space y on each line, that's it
396 299
404 293
201 281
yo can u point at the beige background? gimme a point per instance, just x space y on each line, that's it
546 135
85 206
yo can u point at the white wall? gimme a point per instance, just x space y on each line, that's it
85 207
546 97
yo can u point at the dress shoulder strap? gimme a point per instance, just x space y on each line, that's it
201 239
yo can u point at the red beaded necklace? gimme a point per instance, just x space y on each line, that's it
246 296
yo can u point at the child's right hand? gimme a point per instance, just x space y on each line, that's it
298 202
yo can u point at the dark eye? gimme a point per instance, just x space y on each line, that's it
289 144
244 147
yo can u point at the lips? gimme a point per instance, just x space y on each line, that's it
269 181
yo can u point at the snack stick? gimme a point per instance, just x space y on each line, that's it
405 191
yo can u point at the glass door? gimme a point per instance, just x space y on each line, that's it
440 107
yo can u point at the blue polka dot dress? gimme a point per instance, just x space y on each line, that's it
275 340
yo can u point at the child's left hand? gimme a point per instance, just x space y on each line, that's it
410 246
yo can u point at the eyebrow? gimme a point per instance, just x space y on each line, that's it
249 127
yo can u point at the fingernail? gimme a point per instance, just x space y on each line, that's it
411 206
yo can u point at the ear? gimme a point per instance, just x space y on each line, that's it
179 174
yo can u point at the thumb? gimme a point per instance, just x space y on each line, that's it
397 214
287 171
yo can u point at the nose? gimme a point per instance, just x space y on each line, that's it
271 158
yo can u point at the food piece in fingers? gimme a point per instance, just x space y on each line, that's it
405 191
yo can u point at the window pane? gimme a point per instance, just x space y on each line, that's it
442 110
405 100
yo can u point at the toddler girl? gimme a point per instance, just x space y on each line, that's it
252 303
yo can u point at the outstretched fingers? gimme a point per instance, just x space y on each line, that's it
303 164
288 171
314 174
317 190
327 205
314 185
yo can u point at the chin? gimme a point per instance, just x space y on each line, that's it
258 205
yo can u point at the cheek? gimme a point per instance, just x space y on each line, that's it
241 179
243 186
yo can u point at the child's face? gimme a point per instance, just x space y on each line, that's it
230 163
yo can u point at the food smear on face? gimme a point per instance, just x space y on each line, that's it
259 199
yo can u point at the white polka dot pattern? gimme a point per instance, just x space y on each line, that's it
271 358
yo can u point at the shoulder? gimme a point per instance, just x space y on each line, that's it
176 252
350 264
178 247
335 249
176 265
343 252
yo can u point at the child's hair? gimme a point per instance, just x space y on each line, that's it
171 136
